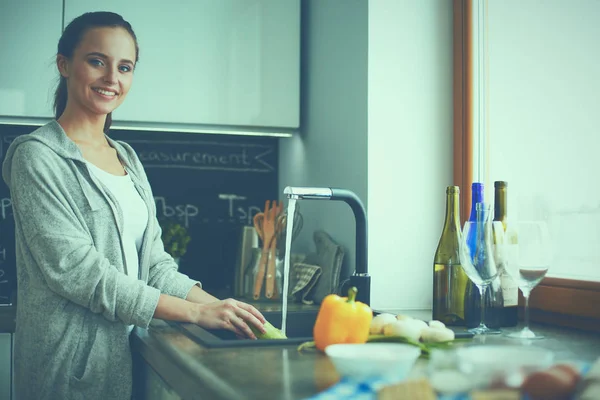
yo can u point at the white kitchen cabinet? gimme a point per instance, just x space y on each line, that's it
5 365
214 62
29 33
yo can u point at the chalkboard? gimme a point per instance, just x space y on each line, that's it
211 184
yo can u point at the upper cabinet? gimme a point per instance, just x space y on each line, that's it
224 63
29 33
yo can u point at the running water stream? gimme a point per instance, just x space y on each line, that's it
290 214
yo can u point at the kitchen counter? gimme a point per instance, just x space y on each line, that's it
190 371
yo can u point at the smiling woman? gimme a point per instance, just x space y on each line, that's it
90 261
85 60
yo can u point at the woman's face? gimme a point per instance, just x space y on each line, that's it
100 72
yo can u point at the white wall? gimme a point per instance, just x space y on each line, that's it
331 150
409 135
410 145
544 124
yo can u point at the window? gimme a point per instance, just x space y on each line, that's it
542 120
528 87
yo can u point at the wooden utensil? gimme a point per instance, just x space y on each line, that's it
271 273
259 219
267 225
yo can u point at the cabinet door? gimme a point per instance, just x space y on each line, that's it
29 33
225 62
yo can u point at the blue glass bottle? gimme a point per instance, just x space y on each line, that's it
477 197
494 301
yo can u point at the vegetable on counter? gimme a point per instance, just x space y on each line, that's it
271 332
342 320
424 347
436 335
379 321
555 383
410 328
404 328
386 327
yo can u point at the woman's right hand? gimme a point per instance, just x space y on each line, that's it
232 315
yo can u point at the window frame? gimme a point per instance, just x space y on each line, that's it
557 301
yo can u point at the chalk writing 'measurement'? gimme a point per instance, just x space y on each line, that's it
207 156
197 158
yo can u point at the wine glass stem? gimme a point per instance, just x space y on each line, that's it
526 296
482 290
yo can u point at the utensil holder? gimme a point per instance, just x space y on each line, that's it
248 240
252 272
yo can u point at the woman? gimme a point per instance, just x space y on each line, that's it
90 260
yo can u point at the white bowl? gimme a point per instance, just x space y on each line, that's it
502 365
359 361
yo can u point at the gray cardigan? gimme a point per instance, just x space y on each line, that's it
74 300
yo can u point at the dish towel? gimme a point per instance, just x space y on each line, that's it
352 389
304 277
369 389
329 256
373 389
590 386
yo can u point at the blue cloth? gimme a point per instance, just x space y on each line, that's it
351 389
367 389
364 390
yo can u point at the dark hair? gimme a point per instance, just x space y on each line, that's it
71 38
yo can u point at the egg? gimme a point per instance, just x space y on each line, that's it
556 383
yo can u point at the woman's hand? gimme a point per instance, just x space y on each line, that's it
232 315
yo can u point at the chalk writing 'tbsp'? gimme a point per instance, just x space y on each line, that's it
180 211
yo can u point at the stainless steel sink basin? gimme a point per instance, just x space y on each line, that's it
299 329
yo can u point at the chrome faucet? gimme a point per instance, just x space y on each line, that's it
360 278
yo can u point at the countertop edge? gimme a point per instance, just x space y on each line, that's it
194 371
158 346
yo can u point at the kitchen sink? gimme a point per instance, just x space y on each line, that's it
299 329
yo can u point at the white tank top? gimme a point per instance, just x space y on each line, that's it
135 214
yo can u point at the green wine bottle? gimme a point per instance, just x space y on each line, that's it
510 290
449 279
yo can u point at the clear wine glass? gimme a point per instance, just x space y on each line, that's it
528 262
481 252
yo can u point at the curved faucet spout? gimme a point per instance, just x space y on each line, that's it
361 277
308 193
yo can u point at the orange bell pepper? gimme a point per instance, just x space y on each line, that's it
342 320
